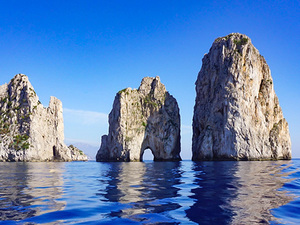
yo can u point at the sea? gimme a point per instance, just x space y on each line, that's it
186 192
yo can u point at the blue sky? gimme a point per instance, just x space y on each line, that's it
84 52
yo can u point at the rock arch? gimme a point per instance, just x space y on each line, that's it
147 152
140 119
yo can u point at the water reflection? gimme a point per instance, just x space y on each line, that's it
216 184
148 192
29 189
259 193
237 192
144 190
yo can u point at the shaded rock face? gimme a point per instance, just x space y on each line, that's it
28 131
147 118
237 114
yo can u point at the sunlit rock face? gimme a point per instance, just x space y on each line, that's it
28 131
237 114
147 118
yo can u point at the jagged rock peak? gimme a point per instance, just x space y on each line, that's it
147 118
237 114
28 131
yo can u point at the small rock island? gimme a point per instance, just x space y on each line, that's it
28 131
237 114
147 118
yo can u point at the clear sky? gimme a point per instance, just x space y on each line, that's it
84 52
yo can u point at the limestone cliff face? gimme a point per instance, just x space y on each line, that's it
237 113
28 131
140 119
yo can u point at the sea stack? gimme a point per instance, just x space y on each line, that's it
28 131
147 118
237 114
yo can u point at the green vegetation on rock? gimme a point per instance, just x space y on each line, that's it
20 142
149 100
241 42
123 90
144 124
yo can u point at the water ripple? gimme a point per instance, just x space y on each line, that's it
150 193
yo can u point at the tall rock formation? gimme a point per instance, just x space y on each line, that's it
237 114
141 119
28 131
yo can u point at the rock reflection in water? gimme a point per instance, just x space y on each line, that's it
144 189
29 189
215 187
259 191
237 192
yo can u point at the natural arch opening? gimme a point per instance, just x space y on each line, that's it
147 155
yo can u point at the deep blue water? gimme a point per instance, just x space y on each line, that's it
150 193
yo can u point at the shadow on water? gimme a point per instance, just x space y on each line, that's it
143 191
216 184
237 192
29 189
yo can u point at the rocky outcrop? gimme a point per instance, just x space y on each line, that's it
147 118
237 114
77 154
28 131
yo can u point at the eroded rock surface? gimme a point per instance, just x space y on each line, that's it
147 118
28 131
237 114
